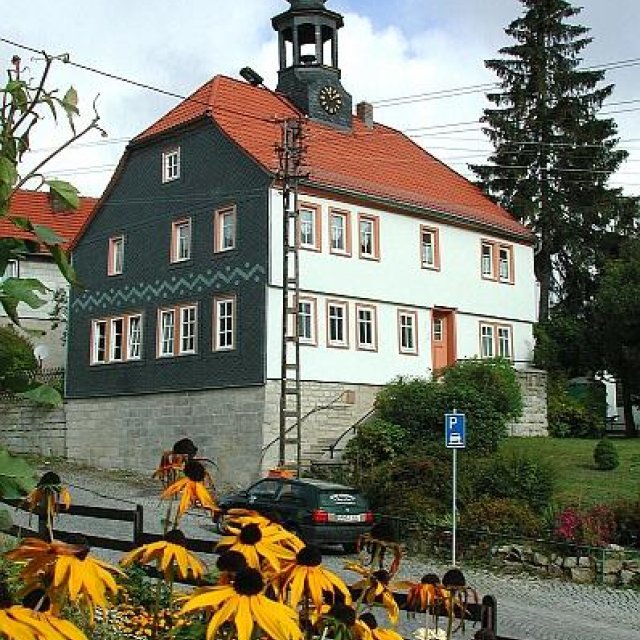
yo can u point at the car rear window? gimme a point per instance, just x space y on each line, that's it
328 499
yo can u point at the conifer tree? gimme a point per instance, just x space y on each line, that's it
552 154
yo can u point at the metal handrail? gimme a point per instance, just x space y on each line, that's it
302 419
354 427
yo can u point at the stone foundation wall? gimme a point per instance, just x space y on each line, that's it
533 422
132 432
29 428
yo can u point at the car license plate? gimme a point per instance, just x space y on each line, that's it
347 517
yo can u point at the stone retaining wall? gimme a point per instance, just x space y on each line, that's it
26 427
132 432
533 422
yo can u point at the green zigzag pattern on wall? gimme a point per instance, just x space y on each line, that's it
192 282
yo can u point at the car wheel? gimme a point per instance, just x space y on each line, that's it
350 547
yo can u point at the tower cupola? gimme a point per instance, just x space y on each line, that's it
309 74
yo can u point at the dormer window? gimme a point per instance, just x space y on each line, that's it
171 164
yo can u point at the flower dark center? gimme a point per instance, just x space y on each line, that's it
175 536
382 576
232 561
5 598
185 447
49 479
370 620
248 582
37 600
430 578
453 578
309 556
81 542
194 471
250 534
343 613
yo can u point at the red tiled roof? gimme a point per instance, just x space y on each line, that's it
380 162
36 205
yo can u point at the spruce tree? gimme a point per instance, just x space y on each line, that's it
553 155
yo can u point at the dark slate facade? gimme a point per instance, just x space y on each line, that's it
214 173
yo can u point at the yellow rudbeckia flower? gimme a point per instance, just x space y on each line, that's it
170 554
244 604
306 577
191 489
258 543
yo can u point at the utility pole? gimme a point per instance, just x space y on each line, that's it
290 152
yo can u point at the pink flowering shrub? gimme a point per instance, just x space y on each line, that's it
594 527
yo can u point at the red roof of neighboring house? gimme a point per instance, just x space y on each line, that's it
380 162
36 205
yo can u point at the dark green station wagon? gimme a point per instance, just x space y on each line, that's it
319 512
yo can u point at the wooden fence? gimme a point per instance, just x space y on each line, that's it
484 612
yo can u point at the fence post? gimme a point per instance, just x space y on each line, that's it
138 526
489 613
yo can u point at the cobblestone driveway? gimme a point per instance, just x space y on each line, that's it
529 608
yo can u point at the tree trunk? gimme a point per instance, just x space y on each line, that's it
543 274
629 423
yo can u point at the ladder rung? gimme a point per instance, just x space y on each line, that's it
292 310
292 392
291 440
291 365
290 413
292 338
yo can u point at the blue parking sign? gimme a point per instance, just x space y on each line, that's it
454 430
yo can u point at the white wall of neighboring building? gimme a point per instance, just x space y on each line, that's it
397 280
36 322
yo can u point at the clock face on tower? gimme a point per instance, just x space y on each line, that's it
330 99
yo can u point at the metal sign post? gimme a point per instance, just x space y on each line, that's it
454 438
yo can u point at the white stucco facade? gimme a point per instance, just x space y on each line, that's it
395 282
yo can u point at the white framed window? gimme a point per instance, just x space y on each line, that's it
337 324
116 339
487 260
339 232
181 240
224 323
307 321
505 263
309 227
504 341
98 341
487 349
115 260
369 237
429 248
407 331
366 328
438 329
12 270
134 337
225 229
171 164
166 337
188 327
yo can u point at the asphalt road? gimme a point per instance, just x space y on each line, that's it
529 608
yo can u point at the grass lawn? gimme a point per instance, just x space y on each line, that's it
578 481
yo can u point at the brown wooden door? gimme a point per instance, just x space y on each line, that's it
443 338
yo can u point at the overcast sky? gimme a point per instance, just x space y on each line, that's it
388 49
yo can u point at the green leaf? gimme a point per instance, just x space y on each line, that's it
5 520
60 256
47 235
8 172
21 223
66 192
24 290
43 394
48 100
16 88
17 476
70 105
10 305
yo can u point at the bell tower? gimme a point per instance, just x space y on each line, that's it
308 49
